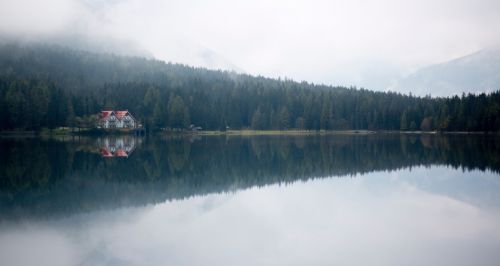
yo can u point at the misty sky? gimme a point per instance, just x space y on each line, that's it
360 43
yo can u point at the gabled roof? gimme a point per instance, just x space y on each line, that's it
106 113
118 114
121 114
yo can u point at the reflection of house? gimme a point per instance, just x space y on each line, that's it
117 119
117 147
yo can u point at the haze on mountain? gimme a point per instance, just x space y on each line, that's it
478 72
347 43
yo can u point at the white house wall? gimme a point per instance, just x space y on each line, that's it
119 123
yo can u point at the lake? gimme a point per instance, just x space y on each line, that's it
377 199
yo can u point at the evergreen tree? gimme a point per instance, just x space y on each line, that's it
178 113
157 120
257 120
284 118
404 121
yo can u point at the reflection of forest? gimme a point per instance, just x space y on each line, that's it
55 177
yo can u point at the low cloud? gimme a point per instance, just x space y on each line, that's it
357 43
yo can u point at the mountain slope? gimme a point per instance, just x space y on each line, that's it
477 72
52 86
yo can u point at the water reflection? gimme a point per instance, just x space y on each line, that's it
117 146
338 200
67 176
374 219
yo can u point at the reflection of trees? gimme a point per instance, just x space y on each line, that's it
49 176
178 155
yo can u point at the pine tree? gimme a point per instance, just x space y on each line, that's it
284 118
404 121
257 120
178 113
157 121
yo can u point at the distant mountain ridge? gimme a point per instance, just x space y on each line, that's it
478 72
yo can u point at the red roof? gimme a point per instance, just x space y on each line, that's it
105 114
118 114
121 114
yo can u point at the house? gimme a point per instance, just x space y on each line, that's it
117 119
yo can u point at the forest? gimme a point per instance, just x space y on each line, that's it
46 86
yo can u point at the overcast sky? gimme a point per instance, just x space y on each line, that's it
361 43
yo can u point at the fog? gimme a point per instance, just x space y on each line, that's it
362 43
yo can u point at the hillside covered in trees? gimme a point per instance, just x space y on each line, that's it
51 86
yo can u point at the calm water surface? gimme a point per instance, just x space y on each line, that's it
331 200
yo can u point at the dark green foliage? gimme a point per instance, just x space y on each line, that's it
178 113
50 86
43 177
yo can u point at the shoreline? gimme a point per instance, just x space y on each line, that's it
242 132
248 132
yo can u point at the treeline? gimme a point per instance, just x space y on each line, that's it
50 86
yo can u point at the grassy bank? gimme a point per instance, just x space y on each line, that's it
291 132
